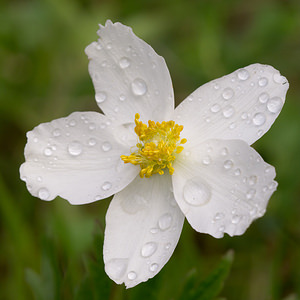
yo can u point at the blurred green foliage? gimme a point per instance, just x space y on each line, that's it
48 250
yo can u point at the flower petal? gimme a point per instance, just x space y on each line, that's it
242 105
76 158
222 186
143 225
128 76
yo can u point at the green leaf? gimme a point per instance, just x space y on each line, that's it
210 287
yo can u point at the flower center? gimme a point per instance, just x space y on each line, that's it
157 146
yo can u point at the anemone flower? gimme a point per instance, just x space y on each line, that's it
161 164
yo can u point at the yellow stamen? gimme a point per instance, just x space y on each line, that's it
157 147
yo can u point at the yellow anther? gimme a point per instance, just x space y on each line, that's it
157 146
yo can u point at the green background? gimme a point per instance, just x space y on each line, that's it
52 250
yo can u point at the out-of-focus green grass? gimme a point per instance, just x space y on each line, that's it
49 248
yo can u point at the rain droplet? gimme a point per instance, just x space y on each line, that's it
228 93
122 97
228 111
216 86
165 221
263 81
250 194
43 193
196 193
263 97
148 249
92 142
116 267
259 119
106 186
139 87
100 97
92 126
48 151
131 275
252 180
206 160
124 62
56 132
224 151
109 46
218 216
274 105
106 146
279 78
75 148
243 74
237 172
153 267
235 219
215 108
72 123
228 164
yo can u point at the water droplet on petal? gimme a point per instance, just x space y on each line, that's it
278 78
235 219
237 172
228 93
56 132
122 97
206 160
215 108
100 97
228 164
196 193
153 267
106 146
228 111
75 148
243 74
48 151
252 180
116 267
263 81
72 123
106 186
43 194
124 62
263 97
165 221
274 105
92 142
259 119
148 249
224 151
250 194
131 275
139 87
218 216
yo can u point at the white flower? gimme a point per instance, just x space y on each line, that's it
209 174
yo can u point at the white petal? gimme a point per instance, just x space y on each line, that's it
242 105
143 225
128 76
222 186
76 158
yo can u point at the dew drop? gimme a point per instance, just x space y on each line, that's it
259 119
250 194
48 151
215 108
92 142
279 78
116 267
243 74
153 267
263 97
106 146
235 219
131 275
122 97
124 62
100 97
106 186
263 81
165 221
237 172
139 87
196 193
92 126
43 193
228 164
228 111
206 160
218 216
72 123
75 148
228 93
56 132
224 151
252 180
148 249
274 105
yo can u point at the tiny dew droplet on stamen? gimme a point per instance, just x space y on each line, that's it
158 146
